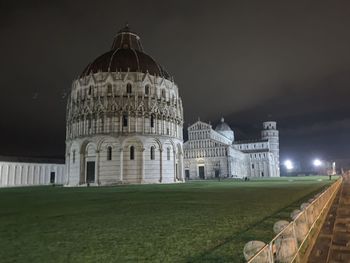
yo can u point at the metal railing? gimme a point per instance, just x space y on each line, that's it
292 243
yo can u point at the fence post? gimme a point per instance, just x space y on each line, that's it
296 255
271 253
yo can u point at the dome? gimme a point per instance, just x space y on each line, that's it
225 130
222 126
125 55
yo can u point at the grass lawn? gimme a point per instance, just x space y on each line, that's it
192 222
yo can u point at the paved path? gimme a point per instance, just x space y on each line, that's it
333 243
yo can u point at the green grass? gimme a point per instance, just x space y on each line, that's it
192 222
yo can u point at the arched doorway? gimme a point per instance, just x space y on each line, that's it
90 175
200 169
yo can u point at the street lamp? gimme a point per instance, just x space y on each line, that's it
288 164
317 162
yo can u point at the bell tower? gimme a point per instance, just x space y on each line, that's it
270 133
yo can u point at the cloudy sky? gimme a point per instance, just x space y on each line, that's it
248 61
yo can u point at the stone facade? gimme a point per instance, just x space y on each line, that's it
212 153
124 120
30 174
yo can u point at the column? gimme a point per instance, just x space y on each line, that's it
160 164
174 155
121 122
180 166
82 176
121 152
142 165
21 175
28 175
7 173
97 167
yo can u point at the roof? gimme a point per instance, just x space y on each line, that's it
253 150
31 160
250 141
126 55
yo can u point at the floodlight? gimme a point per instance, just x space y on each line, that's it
317 162
288 164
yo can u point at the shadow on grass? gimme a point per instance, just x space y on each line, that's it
244 235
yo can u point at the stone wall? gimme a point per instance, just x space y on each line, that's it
30 174
125 159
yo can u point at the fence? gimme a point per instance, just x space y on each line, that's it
292 242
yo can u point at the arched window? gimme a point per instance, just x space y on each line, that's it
128 88
168 154
125 120
163 93
73 156
109 153
132 153
152 153
152 121
109 89
146 90
90 90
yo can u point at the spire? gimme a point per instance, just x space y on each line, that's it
125 29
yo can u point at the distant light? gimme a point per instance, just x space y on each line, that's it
288 164
317 162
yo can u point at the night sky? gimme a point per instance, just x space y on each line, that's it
248 61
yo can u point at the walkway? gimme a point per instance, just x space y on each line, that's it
333 242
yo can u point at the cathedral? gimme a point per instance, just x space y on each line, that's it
210 153
124 120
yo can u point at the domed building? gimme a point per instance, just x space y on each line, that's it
210 153
224 129
124 120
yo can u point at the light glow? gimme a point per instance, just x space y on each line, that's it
288 164
317 162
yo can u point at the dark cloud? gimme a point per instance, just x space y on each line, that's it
246 60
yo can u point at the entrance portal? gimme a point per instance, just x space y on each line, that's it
187 174
90 172
201 172
217 173
52 177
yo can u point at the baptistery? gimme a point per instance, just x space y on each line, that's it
124 120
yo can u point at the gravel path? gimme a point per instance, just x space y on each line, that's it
333 242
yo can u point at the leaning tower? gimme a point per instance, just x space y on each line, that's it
270 133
